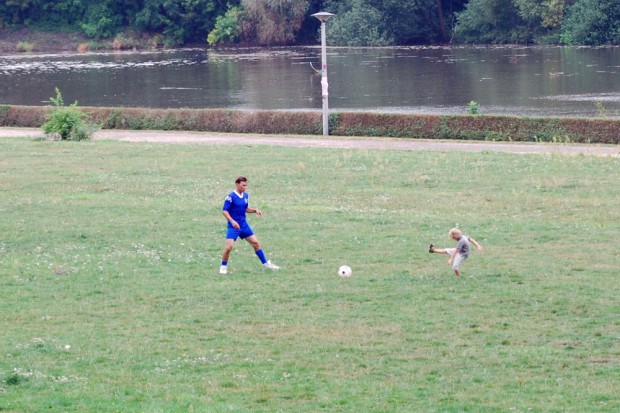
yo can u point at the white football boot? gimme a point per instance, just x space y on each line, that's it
270 266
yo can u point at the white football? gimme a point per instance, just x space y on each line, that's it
345 271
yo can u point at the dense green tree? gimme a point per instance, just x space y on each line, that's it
359 25
401 21
576 22
592 22
179 20
27 12
492 21
359 22
412 21
15 12
425 21
274 22
434 20
227 27
548 13
543 18
106 18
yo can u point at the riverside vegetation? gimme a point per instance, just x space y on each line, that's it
473 126
112 302
116 24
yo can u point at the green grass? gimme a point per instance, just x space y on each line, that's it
111 300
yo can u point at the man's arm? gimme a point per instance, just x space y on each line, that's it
229 219
254 211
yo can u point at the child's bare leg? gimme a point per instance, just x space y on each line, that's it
440 251
432 249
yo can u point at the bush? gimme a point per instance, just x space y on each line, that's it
25 47
67 122
473 108
479 127
226 28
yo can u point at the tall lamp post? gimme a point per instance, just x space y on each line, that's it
323 17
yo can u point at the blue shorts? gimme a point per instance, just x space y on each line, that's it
243 232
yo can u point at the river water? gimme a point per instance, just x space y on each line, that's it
523 81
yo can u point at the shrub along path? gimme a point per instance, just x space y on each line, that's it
212 138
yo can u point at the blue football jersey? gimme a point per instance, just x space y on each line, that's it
236 206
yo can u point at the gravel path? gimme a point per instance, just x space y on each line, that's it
210 138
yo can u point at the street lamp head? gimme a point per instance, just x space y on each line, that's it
323 16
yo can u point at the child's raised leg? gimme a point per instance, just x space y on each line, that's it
434 250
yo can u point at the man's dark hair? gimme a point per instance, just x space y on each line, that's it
241 179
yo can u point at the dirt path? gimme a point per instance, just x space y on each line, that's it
210 138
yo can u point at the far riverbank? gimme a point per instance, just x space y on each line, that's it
24 40
40 41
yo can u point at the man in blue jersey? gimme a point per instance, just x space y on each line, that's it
236 205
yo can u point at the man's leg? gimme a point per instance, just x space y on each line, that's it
227 249
256 245
259 252
226 254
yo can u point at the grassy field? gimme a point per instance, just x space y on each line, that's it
111 299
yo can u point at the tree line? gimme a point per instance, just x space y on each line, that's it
356 22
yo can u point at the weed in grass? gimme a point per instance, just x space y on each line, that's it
473 108
602 110
14 379
113 250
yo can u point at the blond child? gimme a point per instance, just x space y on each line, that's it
458 254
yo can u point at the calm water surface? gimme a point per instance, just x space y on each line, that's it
541 81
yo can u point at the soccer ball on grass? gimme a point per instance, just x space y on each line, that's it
345 271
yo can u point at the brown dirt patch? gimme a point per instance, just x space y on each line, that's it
41 41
